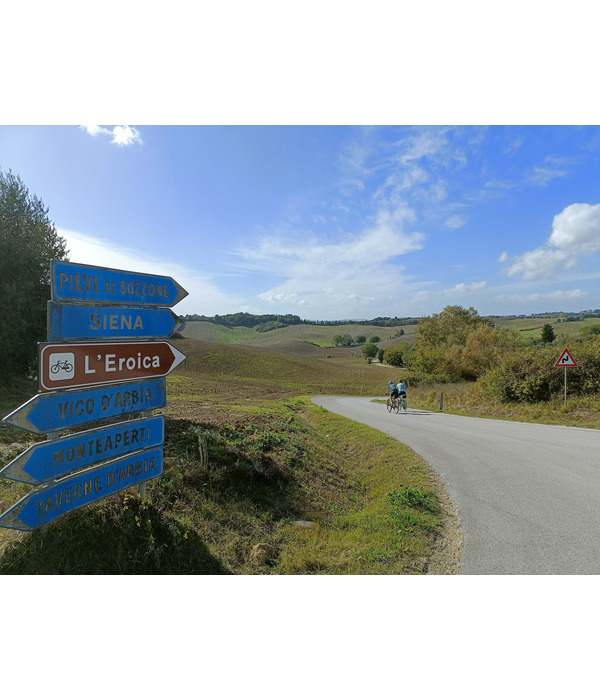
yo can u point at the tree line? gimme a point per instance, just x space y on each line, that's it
249 320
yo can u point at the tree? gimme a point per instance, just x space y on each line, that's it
360 339
381 354
375 339
548 334
393 356
450 327
28 242
342 340
369 351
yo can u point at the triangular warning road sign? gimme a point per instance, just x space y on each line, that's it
566 359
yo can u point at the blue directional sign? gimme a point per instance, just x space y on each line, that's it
78 322
45 504
46 461
103 285
62 410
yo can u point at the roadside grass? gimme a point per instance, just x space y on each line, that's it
368 527
244 461
464 398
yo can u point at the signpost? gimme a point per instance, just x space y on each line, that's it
63 410
103 285
46 461
78 322
566 360
93 382
56 498
66 366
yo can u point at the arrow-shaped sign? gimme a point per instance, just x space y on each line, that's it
75 282
45 504
63 410
46 461
64 366
78 322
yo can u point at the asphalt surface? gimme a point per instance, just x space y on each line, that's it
527 495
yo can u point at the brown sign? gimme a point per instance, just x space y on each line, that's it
66 366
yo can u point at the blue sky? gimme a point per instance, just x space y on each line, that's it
329 222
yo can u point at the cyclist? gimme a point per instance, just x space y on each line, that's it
393 389
401 388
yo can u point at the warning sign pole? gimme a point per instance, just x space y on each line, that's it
566 360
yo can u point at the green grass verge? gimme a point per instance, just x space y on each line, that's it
228 488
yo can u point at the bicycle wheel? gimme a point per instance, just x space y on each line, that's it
396 406
389 405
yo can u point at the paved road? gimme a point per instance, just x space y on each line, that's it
527 496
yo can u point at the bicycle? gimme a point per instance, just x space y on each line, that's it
402 401
65 365
393 405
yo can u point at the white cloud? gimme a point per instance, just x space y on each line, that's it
577 229
575 232
557 295
121 135
456 221
204 297
337 277
540 263
542 176
466 289
503 257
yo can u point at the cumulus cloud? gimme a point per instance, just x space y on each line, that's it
540 263
121 135
575 232
577 229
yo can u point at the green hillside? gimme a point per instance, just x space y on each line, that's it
318 340
531 327
295 338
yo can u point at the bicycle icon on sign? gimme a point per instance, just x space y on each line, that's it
61 365
65 366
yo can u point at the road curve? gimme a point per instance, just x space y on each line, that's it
527 495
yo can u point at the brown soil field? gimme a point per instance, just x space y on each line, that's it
219 383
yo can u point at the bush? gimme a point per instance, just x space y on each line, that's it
529 375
